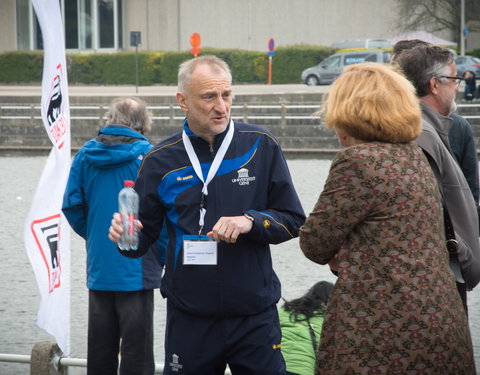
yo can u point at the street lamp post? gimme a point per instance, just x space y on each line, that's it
462 27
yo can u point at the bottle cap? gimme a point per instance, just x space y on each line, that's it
128 183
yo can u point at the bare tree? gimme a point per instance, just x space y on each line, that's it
437 15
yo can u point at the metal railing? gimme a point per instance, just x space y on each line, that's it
60 362
170 112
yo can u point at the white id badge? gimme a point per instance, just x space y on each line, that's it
199 250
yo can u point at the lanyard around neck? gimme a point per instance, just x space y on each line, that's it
213 168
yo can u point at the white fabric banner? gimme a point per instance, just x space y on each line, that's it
47 233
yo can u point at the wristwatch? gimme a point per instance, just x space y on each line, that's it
249 217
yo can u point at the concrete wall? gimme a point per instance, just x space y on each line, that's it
248 24
166 25
8 26
472 40
287 116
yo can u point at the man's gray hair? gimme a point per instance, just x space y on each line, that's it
131 112
421 63
186 69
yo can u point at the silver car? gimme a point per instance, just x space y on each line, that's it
329 69
465 63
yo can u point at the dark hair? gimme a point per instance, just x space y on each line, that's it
313 303
421 63
403 45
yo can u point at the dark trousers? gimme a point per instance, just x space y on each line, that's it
120 323
462 290
250 345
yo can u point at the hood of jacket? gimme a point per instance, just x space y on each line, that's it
116 145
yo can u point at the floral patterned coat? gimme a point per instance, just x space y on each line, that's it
395 308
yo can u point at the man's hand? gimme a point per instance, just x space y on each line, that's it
116 227
228 228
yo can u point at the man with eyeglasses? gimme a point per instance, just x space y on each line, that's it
433 72
460 136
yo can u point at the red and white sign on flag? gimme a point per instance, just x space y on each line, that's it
47 233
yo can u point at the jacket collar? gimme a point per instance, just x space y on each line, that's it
121 130
440 123
196 139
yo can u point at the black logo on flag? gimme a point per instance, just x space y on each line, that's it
55 103
46 233
57 123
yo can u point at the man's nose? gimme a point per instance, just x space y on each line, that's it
221 105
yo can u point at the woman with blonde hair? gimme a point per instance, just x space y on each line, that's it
378 223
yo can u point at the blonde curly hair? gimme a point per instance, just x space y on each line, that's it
373 102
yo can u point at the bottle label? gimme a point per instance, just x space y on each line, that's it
131 224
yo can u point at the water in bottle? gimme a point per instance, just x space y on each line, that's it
128 208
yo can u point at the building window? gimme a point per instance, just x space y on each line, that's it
88 24
70 24
106 23
24 20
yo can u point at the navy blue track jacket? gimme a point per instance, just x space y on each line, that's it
253 178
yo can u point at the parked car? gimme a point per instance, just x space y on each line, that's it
362 43
329 69
465 63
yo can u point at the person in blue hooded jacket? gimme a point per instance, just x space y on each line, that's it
120 289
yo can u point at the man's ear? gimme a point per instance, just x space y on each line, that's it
433 85
181 101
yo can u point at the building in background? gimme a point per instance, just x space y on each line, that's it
166 25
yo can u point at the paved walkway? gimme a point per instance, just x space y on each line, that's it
76 90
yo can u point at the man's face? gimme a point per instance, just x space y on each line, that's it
208 101
447 92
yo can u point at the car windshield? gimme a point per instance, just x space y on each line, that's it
476 60
331 61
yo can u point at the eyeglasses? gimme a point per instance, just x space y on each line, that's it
457 79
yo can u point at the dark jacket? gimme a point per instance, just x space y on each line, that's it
253 178
463 146
470 87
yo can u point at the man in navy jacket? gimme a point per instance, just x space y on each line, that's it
226 193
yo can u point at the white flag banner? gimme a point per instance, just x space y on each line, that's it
47 233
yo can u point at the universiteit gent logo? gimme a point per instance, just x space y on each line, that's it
46 233
243 178
57 124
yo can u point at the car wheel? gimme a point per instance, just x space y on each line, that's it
311 81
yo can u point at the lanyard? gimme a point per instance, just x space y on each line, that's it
213 168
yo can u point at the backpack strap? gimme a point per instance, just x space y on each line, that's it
314 343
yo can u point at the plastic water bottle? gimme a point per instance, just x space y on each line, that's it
128 208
